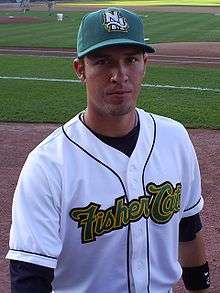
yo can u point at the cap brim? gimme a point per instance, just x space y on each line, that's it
116 42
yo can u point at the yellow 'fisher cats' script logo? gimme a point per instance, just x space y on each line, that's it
161 204
113 21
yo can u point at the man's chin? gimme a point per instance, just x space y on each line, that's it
118 110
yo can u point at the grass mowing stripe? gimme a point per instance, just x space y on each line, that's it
143 85
160 27
47 34
182 27
31 101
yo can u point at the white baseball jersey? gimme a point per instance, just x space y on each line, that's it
106 222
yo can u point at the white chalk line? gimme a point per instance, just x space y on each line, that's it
181 87
40 79
186 57
37 51
41 56
78 81
185 62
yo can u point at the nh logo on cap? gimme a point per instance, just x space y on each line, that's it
113 21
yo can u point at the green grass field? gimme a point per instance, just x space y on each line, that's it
160 27
47 101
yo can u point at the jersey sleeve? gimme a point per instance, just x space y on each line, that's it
193 200
34 234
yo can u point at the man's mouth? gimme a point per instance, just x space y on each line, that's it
119 92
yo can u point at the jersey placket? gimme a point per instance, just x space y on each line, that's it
138 241
136 182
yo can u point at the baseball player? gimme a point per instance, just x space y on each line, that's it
50 6
25 5
105 203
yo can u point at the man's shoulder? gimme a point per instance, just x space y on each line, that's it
165 126
168 122
161 121
57 138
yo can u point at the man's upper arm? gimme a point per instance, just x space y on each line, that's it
28 277
34 235
188 228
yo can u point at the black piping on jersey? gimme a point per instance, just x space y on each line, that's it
144 190
193 205
34 253
124 190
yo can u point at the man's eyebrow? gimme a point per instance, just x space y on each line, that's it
133 53
98 55
102 55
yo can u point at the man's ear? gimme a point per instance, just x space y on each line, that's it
145 61
79 68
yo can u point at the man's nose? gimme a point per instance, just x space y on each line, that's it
119 73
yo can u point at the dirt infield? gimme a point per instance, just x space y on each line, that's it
20 19
178 54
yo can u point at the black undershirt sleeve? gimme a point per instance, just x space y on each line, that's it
188 228
28 277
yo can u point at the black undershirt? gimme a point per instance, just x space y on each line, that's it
27 277
126 144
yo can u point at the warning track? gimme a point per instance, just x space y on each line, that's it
182 54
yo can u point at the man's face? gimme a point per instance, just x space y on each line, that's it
113 79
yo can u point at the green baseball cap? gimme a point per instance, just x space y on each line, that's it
110 27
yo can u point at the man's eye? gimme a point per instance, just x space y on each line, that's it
101 62
132 60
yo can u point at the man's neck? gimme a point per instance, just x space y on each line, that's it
112 126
